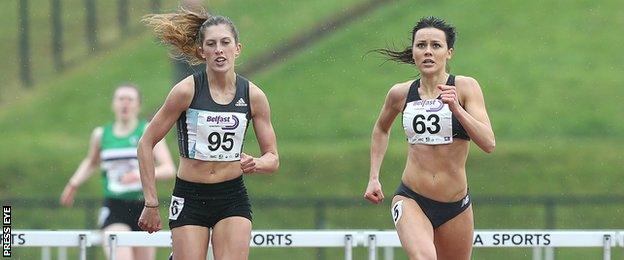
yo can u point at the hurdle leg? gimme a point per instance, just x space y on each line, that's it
112 243
606 240
372 247
61 253
388 253
537 253
550 253
83 246
45 253
348 247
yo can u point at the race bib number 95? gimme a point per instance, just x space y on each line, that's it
219 136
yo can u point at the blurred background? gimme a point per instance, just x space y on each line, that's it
551 73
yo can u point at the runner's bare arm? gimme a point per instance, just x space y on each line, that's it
178 100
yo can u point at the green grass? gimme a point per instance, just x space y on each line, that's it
265 25
75 47
550 81
538 86
9 41
67 128
253 19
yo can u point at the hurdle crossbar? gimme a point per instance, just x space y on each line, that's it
515 238
348 239
277 238
38 238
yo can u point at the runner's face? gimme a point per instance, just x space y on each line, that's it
430 51
126 104
219 48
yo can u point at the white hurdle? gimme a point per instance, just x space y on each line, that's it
312 238
536 239
45 239
277 238
388 239
130 238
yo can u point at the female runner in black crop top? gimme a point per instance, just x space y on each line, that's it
212 108
431 208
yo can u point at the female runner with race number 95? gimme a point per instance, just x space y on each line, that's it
212 109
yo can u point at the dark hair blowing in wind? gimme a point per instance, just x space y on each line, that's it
184 31
405 56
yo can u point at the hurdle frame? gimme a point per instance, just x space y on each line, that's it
605 239
46 239
292 238
347 239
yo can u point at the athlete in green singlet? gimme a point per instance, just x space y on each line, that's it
113 148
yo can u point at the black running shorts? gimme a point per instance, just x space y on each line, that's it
204 204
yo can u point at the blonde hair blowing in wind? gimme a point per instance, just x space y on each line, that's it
180 30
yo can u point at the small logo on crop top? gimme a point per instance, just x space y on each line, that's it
225 122
240 103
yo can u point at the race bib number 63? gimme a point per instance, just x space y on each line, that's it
428 122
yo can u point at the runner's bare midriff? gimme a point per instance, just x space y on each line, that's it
437 172
208 172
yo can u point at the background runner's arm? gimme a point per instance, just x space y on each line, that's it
177 102
89 164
